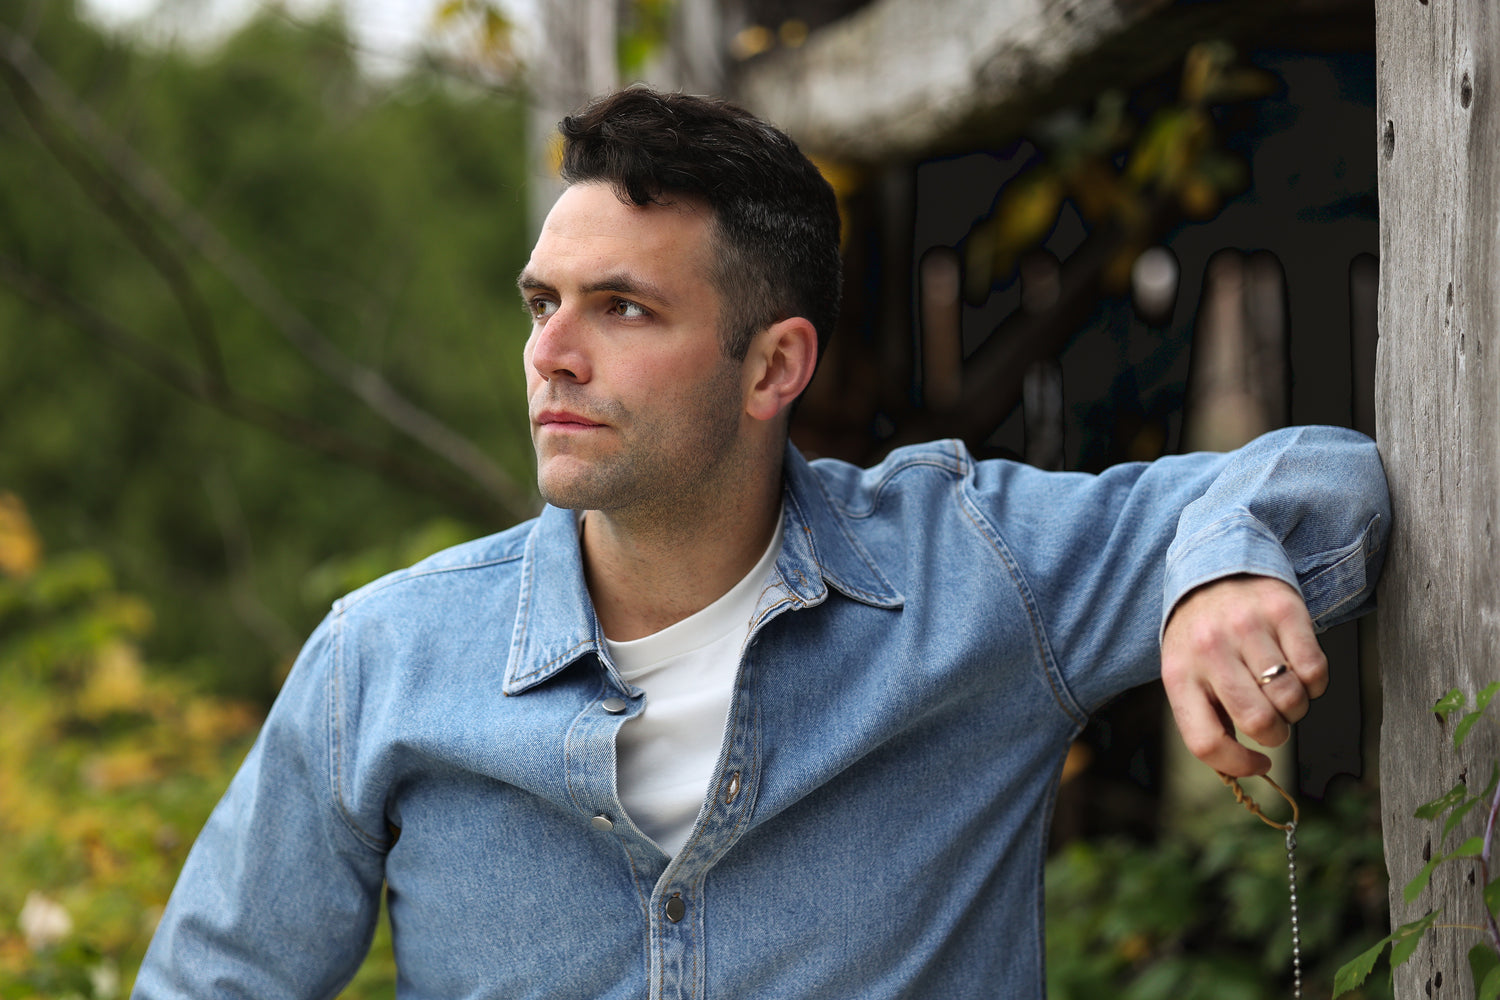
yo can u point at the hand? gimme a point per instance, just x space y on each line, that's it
1218 642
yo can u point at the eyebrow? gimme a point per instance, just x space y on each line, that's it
620 283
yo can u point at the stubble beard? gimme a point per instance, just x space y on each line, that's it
669 462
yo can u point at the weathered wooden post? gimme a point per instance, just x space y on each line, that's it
1438 420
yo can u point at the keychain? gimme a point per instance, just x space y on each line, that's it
1290 828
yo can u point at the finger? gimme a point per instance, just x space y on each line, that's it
1208 734
1281 686
1263 713
1303 654
1293 632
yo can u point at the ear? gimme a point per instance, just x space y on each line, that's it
778 366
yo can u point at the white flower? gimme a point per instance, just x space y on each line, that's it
44 922
105 979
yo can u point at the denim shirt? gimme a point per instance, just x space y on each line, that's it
937 632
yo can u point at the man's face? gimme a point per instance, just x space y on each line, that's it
633 402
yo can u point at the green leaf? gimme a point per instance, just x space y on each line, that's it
1358 969
1461 731
1408 936
1492 896
1468 849
1415 886
1490 988
1449 703
1444 802
1481 702
1457 815
1483 962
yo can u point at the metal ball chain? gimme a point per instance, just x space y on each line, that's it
1291 877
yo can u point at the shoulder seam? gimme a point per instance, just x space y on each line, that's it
348 601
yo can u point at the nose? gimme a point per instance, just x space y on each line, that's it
555 349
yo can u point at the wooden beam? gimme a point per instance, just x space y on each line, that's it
1438 423
911 78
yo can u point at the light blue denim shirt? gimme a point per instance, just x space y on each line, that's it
938 632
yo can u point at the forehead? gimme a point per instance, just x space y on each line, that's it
590 229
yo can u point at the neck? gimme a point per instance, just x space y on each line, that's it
647 572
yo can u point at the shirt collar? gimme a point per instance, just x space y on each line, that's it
555 623
820 550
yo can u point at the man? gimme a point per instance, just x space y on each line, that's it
721 722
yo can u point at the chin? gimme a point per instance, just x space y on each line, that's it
567 492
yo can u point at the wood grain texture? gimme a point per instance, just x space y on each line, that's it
1438 405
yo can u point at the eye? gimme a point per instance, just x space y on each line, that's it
540 307
625 309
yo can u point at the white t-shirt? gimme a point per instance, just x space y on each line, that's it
668 752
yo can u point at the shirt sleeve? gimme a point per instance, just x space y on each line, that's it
1308 506
1105 558
280 894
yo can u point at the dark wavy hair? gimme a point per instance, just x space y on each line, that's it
776 219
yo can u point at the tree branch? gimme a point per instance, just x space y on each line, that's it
324 440
127 219
196 232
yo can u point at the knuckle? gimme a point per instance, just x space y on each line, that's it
1240 620
1202 745
1284 604
1203 637
1260 722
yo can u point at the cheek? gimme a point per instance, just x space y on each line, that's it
533 377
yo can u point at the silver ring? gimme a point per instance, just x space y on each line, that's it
1271 673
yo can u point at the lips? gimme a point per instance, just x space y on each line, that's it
564 420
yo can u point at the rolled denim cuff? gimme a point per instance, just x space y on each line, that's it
1229 547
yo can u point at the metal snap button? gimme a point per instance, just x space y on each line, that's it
614 706
602 823
676 909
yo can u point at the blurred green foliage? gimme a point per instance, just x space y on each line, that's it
108 767
1210 920
391 214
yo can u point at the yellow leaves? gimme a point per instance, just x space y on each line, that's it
758 39
1024 214
207 720
1172 160
121 769
1211 76
1027 211
793 33
478 33
20 546
107 768
1173 141
117 682
554 153
449 11
751 41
